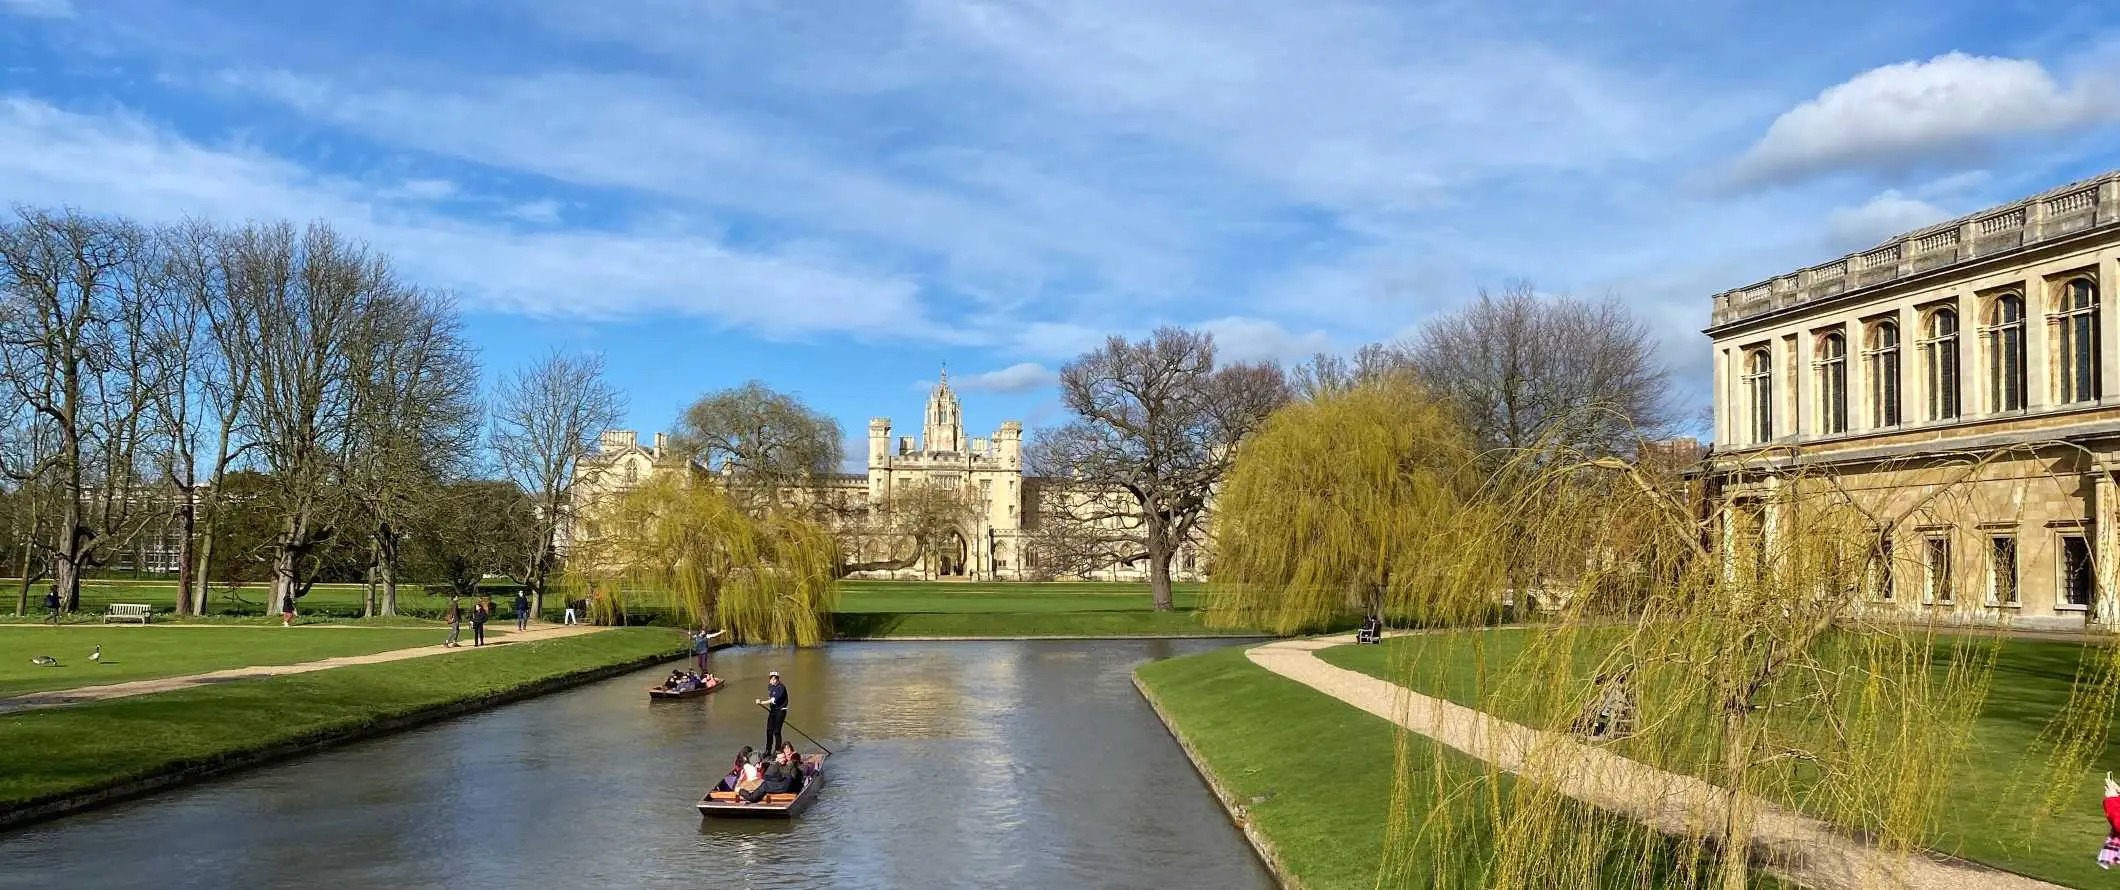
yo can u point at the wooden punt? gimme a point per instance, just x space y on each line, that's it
724 805
660 694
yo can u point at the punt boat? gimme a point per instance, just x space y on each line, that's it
657 693
724 805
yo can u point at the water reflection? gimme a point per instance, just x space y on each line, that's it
959 765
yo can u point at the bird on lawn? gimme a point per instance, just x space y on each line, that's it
44 661
96 655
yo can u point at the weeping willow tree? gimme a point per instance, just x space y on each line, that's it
762 576
1747 671
1339 506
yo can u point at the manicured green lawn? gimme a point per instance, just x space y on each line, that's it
927 609
1317 774
138 653
1981 818
928 596
73 749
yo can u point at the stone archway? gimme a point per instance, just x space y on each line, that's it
955 556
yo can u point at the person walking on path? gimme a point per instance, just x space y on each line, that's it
571 614
287 610
776 702
478 624
702 648
51 605
455 617
522 610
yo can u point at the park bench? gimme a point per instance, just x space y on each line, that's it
127 612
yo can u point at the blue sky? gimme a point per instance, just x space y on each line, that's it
838 197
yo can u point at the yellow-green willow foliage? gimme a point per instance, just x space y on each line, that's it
1357 501
1748 629
689 546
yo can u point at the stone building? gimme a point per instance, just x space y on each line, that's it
996 542
1952 381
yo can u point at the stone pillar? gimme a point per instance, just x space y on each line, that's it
2105 553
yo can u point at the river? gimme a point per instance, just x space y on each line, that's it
990 764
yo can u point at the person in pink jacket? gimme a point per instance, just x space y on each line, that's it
2111 854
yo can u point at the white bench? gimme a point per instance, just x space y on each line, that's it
127 612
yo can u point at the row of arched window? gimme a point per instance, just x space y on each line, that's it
2074 372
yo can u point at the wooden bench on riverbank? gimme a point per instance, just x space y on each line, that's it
127 612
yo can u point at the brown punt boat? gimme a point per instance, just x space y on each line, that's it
723 804
658 693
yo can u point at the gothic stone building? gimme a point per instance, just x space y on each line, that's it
995 543
1965 358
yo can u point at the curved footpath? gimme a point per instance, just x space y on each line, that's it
81 694
1792 845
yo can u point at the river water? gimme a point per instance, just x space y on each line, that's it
1017 764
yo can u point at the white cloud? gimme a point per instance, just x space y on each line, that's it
1889 213
121 165
1239 339
545 211
1020 377
39 9
1893 116
420 190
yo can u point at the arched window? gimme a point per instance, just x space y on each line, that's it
2076 342
1759 388
2004 337
1832 365
1883 359
1939 351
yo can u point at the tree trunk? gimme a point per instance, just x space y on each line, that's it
368 588
187 520
66 567
204 560
286 566
1736 831
29 546
386 564
1159 572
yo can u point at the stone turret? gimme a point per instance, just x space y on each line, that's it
1008 443
879 442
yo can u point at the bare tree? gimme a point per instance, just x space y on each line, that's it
75 351
1158 421
1327 374
907 526
546 415
221 271
1547 373
307 297
415 423
766 444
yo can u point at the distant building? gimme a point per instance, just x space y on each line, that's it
1968 355
998 541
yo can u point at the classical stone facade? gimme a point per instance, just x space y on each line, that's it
1954 382
996 542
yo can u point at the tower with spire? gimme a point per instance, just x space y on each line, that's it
943 430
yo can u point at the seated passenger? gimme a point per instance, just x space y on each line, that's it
728 782
779 778
751 777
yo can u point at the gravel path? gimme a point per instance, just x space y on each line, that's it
1791 845
78 695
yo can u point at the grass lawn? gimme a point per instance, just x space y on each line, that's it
83 747
1265 737
139 653
869 609
1979 820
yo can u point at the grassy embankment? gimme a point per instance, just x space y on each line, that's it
1313 774
876 609
867 609
68 752
140 653
1980 819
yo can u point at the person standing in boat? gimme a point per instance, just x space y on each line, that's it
776 702
702 648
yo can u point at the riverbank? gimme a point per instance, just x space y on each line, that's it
1309 778
910 610
69 759
1987 816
